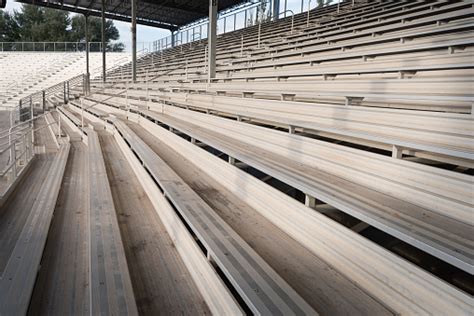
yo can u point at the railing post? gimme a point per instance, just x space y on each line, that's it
44 100
82 116
25 149
30 147
147 92
64 92
59 126
259 31
32 122
31 107
126 97
13 155
307 19
25 155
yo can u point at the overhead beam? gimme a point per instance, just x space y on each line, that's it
97 13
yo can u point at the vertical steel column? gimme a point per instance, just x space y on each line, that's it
173 39
134 40
104 44
212 37
87 81
275 9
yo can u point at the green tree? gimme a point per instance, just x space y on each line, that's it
9 29
322 3
77 33
38 24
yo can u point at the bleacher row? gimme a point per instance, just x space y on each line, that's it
391 78
299 226
23 75
367 112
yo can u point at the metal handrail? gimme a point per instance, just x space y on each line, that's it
55 44
203 22
120 62
12 147
292 18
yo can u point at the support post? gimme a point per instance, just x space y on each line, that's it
59 126
309 201
104 46
87 79
212 37
134 40
173 39
44 100
64 92
82 116
397 152
275 9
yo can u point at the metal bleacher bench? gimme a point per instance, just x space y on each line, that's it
397 215
258 284
110 283
19 276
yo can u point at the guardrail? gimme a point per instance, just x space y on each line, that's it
119 63
188 34
17 153
49 46
38 99
249 15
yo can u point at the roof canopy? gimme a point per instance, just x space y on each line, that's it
168 14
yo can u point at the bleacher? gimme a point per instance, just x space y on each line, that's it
24 73
391 78
327 169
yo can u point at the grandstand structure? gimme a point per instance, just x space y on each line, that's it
320 163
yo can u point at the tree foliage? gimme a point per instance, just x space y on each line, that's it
38 24
322 3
